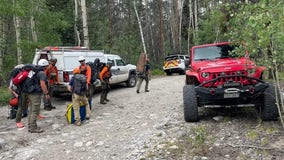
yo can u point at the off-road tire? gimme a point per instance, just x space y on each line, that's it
132 80
269 110
190 104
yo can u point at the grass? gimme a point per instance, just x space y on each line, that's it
5 96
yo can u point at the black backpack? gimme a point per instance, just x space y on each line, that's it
31 84
80 84
93 71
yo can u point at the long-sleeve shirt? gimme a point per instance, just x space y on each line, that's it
87 72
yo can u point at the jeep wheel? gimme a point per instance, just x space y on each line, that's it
190 104
131 82
269 110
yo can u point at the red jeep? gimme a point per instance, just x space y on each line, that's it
218 77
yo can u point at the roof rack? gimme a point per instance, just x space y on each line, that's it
60 48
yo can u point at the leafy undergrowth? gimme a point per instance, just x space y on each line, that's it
229 139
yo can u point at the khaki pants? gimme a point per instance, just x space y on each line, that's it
76 99
35 99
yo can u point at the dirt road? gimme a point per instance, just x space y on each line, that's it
148 125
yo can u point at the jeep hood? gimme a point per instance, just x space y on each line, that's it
221 65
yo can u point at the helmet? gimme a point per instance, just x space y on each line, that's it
42 62
81 58
13 102
76 71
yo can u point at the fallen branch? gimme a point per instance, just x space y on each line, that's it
256 147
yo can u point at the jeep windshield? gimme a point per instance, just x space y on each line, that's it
215 52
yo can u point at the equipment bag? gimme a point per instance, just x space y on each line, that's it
80 84
20 77
70 113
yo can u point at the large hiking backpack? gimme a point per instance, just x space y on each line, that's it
31 84
93 71
80 84
18 75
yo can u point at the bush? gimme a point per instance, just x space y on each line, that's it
5 96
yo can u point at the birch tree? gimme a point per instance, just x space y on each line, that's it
77 33
140 26
85 24
18 33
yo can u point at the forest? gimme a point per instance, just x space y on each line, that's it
129 27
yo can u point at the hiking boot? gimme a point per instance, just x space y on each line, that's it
40 117
47 108
103 102
36 130
20 124
77 123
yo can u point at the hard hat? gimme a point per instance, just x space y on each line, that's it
81 58
76 71
13 102
42 62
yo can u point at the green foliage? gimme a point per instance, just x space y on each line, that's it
5 96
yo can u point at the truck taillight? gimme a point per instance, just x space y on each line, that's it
65 76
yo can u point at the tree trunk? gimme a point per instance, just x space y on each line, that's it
180 23
189 24
2 38
77 33
18 34
161 28
110 23
140 27
85 24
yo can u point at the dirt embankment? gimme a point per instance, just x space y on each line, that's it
148 125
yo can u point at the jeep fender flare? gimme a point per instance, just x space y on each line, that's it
192 78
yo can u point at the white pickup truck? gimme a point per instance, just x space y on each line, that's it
67 60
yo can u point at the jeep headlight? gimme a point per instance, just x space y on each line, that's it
251 71
205 74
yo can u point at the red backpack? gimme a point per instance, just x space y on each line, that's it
20 77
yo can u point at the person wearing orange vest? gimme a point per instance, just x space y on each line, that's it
86 70
52 74
105 75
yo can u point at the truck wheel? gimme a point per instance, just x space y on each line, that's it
168 73
131 82
190 104
269 110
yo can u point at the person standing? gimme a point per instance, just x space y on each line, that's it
145 75
22 109
78 87
34 86
52 74
86 70
105 75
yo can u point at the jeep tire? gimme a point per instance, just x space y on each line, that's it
132 80
190 104
269 110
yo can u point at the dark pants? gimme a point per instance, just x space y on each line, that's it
22 106
47 102
105 90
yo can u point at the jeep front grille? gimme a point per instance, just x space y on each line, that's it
226 76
